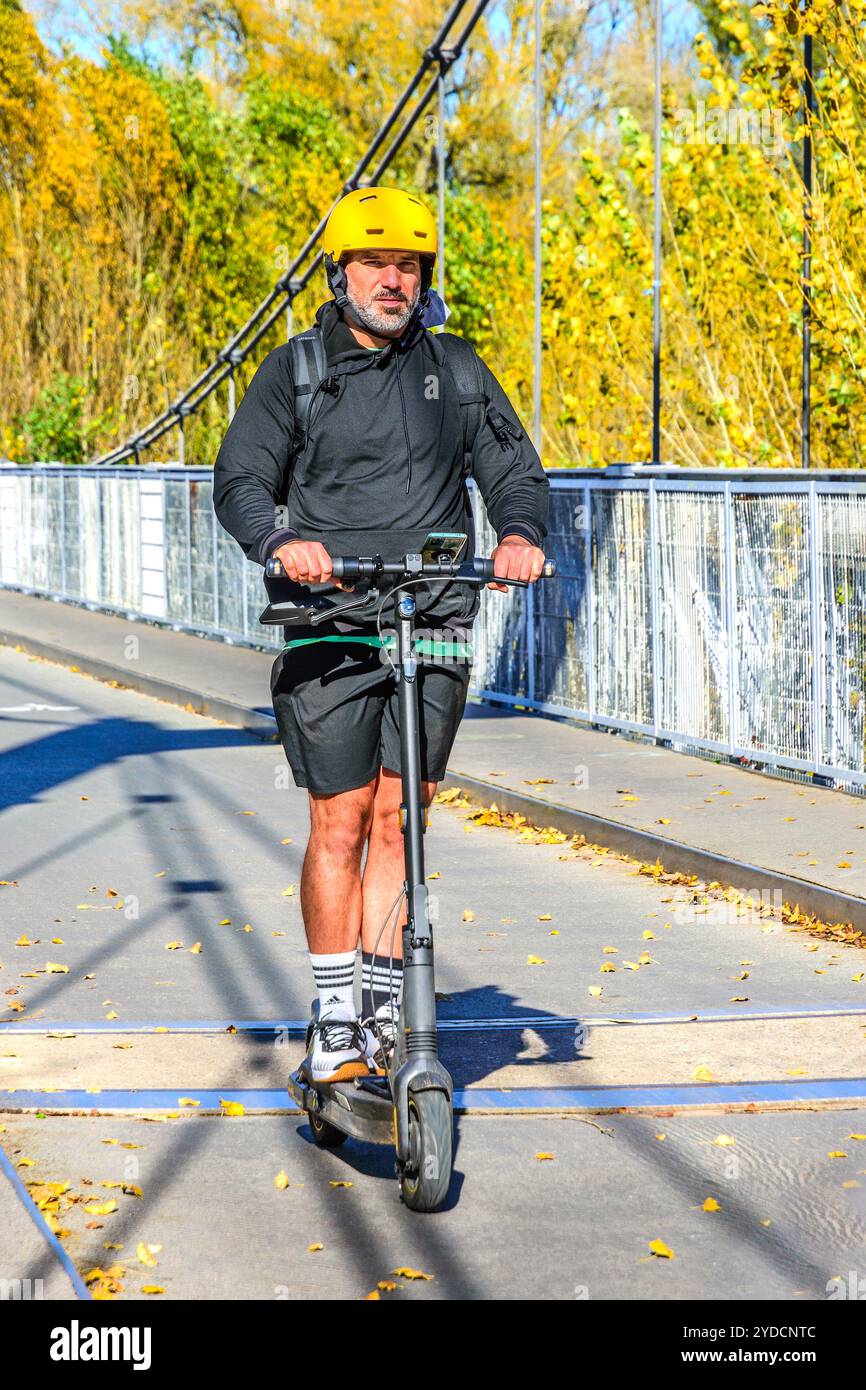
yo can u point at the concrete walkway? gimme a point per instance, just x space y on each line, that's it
695 815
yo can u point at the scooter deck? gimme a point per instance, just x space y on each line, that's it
356 1110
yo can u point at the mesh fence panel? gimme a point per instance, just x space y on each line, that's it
693 639
621 618
774 698
842 627
560 606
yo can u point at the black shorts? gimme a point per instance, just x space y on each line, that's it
336 706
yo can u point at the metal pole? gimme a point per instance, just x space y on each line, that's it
589 588
806 279
730 599
440 182
657 235
815 626
231 380
186 484
654 606
539 109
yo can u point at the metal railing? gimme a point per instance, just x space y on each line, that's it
719 611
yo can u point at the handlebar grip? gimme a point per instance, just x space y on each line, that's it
484 568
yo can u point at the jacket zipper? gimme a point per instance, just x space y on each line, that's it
405 423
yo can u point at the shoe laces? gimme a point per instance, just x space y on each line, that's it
340 1034
383 1024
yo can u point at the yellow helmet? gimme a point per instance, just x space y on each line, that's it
386 217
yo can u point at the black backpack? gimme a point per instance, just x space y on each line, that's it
310 371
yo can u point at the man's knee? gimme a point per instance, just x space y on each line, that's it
343 819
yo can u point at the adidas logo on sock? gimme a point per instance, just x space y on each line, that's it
334 999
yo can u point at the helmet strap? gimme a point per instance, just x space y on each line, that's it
337 282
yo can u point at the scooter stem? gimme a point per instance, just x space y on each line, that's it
416 1066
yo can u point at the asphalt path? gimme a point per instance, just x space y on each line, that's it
152 859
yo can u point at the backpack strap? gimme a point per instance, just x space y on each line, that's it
309 367
462 361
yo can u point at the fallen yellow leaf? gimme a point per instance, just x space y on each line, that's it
711 1204
659 1248
404 1273
232 1107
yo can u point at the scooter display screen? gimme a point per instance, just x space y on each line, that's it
443 545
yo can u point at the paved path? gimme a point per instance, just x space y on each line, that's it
811 835
734 1026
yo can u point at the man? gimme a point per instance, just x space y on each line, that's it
380 465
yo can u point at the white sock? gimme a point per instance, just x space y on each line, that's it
335 980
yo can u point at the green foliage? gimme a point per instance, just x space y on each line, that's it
53 429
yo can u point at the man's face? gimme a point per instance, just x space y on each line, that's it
383 289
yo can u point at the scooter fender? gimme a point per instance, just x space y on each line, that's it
416 1074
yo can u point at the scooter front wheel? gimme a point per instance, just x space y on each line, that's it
426 1178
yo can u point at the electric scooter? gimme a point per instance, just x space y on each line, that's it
412 1105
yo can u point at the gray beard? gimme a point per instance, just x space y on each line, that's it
384 321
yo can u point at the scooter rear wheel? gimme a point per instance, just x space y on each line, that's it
325 1135
425 1181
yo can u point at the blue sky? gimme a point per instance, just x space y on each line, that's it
65 19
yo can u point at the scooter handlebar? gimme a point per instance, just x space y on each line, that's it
353 567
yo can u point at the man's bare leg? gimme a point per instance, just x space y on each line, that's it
331 875
384 870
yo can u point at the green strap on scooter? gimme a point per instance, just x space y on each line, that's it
424 646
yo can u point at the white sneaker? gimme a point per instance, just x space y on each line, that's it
337 1050
381 1035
